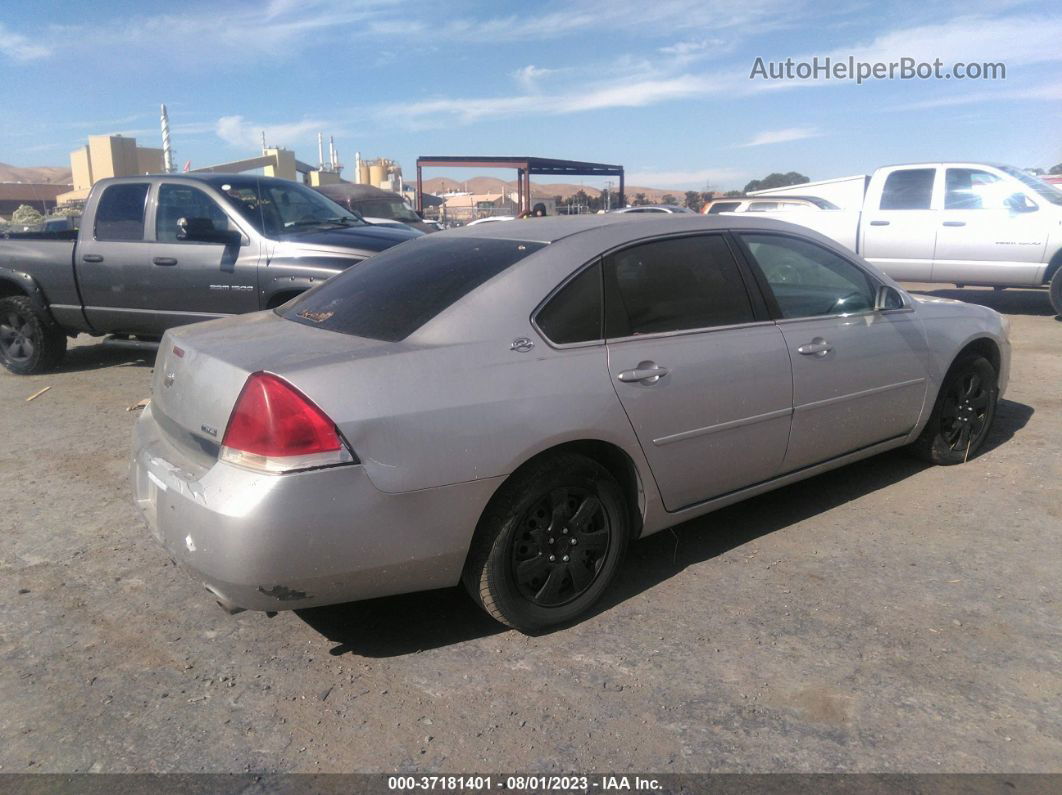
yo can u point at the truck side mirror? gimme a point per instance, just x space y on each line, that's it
888 298
201 230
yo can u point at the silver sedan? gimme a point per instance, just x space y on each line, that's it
511 405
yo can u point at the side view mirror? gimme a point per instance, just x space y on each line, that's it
888 298
1017 203
201 230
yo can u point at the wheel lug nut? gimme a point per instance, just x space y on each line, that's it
575 541
565 558
551 539
565 531
552 558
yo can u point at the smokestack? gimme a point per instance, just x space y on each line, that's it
332 151
357 168
167 152
263 142
320 152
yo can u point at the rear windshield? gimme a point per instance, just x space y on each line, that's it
392 294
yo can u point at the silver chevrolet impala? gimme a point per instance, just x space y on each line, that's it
510 406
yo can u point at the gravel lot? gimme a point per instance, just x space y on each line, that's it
883 617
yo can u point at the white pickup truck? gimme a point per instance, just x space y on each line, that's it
959 223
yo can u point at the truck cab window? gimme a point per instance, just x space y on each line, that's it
973 189
120 212
908 189
183 201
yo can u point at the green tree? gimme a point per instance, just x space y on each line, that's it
26 216
732 193
1055 169
776 180
639 200
694 200
667 198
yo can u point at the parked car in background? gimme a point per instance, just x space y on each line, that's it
655 208
510 405
753 204
155 252
376 206
960 223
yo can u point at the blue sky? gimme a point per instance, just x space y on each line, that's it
661 87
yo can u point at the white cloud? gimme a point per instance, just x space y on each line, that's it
529 76
781 136
238 132
19 48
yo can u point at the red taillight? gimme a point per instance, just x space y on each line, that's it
276 428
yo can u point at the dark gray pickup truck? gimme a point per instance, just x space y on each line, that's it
154 252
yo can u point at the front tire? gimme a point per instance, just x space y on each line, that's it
30 341
962 415
1056 292
549 543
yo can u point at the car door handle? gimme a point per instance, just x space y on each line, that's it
954 223
879 223
817 347
164 261
92 258
645 372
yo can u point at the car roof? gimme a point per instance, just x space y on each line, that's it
624 226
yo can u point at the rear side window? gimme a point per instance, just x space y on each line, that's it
909 189
723 207
120 212
392 294
673 285
574 313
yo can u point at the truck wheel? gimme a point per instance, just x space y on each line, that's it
549 543
962 415
1056 292
30 342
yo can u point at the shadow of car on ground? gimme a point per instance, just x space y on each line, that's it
410 623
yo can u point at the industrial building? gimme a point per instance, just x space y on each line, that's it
108 156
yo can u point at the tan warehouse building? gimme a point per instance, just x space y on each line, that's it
108 156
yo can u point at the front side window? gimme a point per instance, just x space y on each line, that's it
672 285
120 212
183 201
974 189
574 313
282 207
808 280
908 189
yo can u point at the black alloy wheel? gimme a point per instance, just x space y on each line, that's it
563 540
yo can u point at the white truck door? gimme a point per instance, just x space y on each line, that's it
991 231
899 223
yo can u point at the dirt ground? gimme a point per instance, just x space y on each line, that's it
884 617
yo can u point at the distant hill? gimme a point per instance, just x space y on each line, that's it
439 185
57 175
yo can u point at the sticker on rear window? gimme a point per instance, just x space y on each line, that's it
316 317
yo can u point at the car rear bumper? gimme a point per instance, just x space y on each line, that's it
281 542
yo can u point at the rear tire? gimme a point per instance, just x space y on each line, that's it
962 415
528 581
30 341
1056 292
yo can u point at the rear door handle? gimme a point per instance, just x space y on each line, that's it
879 223
164 261
817 347
645 372
954 223
92 258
